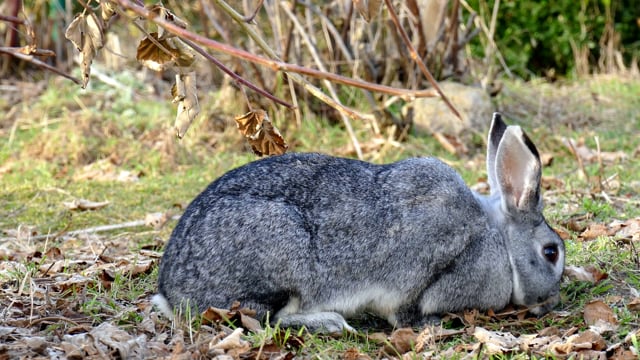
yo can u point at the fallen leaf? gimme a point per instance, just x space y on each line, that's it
629 229
594 230
83 205
430 335
597 310
401 341
634 305
589 273
355 354
496 342
231 342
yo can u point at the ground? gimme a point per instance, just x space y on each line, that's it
94 180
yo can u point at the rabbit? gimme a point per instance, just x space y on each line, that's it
311 240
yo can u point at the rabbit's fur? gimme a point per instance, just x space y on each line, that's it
312 239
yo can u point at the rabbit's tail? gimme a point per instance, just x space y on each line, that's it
162 304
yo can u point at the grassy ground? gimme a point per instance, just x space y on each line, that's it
68 290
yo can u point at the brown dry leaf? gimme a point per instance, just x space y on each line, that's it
432 334
634 305
214 315
354 354
107 9
629 229
83 205
589 273
563 233
85 32
593 231
167 15
157 219
160 54
263 137
546 158
368 9
401 341
597 311
54 253
188 106
496 342
153 56
232 342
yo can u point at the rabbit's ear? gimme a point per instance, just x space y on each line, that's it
495 135
518 171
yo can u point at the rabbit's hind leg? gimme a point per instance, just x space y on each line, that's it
327 322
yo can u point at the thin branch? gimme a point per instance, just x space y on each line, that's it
274 64
250 18
30 58
235 76
416 58
11 19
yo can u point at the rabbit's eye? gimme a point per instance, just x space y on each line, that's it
550 252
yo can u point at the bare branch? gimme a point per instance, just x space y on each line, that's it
30 58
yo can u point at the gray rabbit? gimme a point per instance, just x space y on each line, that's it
314 239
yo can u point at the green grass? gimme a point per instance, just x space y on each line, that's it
65 133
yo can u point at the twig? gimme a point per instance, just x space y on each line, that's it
12 19
250 18
417 59
235 76
91 230
33 60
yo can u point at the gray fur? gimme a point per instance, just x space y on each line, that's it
312 239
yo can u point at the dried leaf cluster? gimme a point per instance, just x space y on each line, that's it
159 50
264 138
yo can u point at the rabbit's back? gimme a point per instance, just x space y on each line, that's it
321 229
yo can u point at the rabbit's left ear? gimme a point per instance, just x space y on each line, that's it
495 136
518 171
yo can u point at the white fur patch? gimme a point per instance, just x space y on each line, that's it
292 307
377 299
163 305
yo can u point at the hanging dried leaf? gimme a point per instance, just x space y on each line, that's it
184 92
85 32
368 9
263 137
159 10
107 9
156 57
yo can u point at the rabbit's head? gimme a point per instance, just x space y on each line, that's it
535 251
